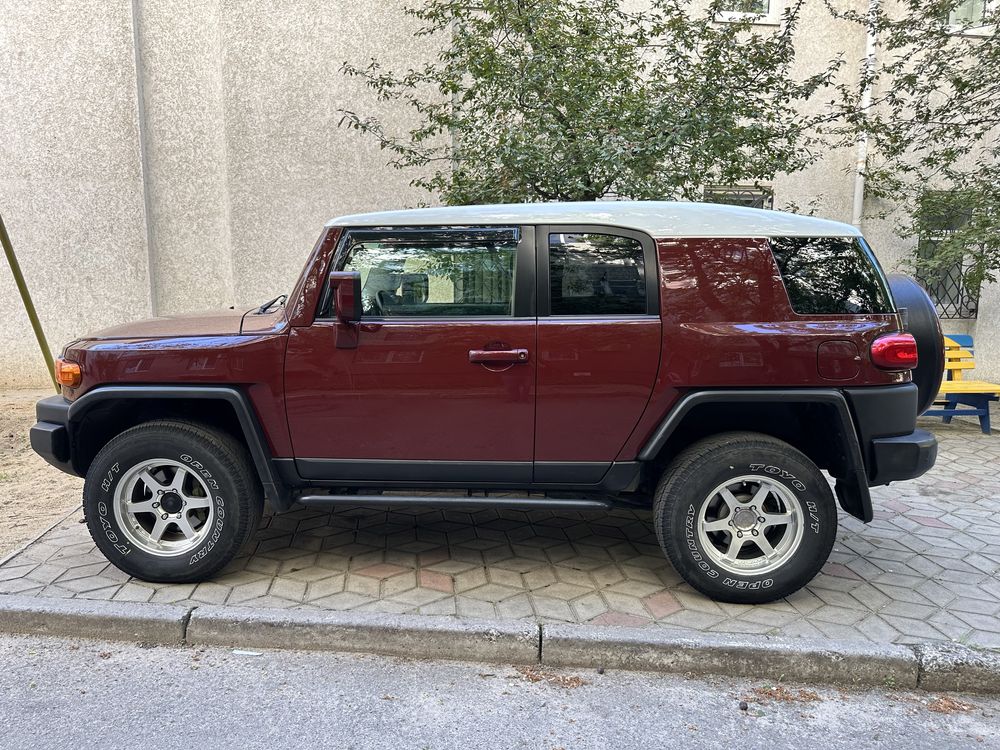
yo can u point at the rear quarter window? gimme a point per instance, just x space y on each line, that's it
830 276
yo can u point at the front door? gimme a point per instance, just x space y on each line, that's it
441 385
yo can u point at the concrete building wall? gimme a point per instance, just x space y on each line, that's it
185 156
70 174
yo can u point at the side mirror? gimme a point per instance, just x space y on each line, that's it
346 286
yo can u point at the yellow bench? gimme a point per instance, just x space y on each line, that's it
957 391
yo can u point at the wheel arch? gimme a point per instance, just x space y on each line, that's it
101 413
816 421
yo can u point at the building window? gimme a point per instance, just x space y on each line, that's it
941 216
973 17
968 13
751 197
761 11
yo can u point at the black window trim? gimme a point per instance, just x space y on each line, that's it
523 292
651 265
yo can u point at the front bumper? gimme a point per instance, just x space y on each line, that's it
902 457
49 436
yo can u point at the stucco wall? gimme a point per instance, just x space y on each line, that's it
70 174
187 158
195 174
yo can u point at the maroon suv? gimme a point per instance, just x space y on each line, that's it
710 362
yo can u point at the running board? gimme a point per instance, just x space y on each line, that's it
449 501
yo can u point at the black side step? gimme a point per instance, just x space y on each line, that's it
460 501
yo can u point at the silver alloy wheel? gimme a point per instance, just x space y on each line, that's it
163 507
750 525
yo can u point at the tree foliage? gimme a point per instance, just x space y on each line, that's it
934 133
581 99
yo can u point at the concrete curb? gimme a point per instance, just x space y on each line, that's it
929 666
82 618
949 666
752 656
394 635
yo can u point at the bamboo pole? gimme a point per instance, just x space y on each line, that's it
29 306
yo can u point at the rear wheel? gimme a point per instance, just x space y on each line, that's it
745 518
171 501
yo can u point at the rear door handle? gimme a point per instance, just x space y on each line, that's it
498 355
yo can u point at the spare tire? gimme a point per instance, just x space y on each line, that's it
921 320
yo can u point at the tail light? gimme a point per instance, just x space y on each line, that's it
896 351
68 373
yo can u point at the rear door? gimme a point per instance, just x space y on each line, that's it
599 338
441 384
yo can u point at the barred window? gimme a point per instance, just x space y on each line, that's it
941 215
751 197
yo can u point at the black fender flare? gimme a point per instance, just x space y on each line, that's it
275 491
852 489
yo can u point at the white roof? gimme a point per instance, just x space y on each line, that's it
656 218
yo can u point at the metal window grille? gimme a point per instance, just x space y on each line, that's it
946 286
751 197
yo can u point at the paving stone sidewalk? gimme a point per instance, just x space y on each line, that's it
927 568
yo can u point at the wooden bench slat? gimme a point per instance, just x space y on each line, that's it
969 386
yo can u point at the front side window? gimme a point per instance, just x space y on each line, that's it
596 274
830 276
428 275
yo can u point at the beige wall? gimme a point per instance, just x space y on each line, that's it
201 181
70 173
195 168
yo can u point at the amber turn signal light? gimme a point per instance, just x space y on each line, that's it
68 373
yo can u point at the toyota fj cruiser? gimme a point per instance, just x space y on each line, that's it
710 362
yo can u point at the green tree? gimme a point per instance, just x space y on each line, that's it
580 99
933 129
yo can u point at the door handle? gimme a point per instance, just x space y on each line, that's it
503 356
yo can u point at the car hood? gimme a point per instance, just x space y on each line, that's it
215 323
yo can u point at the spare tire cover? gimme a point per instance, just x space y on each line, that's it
922 322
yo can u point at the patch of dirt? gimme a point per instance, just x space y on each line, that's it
33 495
942 704
780 694
533 674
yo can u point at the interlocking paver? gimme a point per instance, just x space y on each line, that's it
927 568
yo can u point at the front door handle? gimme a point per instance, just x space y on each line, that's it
503 356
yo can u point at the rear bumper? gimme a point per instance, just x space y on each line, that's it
903 457
893 448
49 436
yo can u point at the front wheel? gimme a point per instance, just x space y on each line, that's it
745 518
171 501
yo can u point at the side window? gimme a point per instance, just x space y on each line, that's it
830 276
596 274
430 276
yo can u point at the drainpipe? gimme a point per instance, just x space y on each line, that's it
867 70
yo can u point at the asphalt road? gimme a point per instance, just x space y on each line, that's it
79 694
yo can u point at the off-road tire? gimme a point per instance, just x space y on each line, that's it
230 489
688 484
